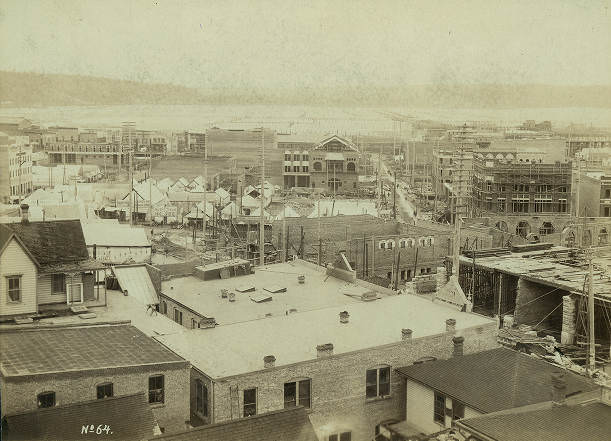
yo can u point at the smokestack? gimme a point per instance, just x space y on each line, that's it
95 253
344 316
25 213
324 350
269 361
458 346
406 334
450 325
558 389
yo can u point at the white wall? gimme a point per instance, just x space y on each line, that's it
15 261
420 405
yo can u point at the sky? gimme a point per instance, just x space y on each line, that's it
308 44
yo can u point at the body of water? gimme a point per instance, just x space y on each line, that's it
293 118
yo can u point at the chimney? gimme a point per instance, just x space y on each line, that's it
558 389
344 316
450 325
207 322
324 350
269 361
406 334
25 213
231 296
458 346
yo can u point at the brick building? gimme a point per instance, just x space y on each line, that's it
327 359
595 194
523 196
331 165
76 364
15 168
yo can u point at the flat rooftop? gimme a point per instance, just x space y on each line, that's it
546 267
318 291
78 348
239 348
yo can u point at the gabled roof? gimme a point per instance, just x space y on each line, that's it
52 242
290 424
493 380
114 235
6 235
344 141
590 421
66 422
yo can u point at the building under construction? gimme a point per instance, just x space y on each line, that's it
546 288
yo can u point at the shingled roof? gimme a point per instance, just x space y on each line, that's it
79 348
49 242
66 422
290 424
493 380
591 421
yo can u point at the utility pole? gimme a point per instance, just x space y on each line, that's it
131 179
262 206
394 198
150 190
591 336
456 246
205 179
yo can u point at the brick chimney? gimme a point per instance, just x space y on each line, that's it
25 213
558 389
406 334
450 325
458 346
324 350
269 361
207 322
344 316
231 296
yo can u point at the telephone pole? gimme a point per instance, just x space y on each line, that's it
591 337
262 206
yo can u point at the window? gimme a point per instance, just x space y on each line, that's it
201 398
250 402
296 158
178 316
297 393
562 206
58 284
317 166
156 389
287 168
458 410
104 390
305 168
164 307
296 168
439 411
194 324
378 382
382 245
14 288
46 399
344 436
287 157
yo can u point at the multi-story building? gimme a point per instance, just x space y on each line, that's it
578 143
522 196
15 168
452 177
328 359
595 194
331 165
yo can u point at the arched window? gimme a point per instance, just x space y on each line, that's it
411 243
318 166
421 242
430 241
351 167
402 243
382 245
390 244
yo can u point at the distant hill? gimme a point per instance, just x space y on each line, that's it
30 89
